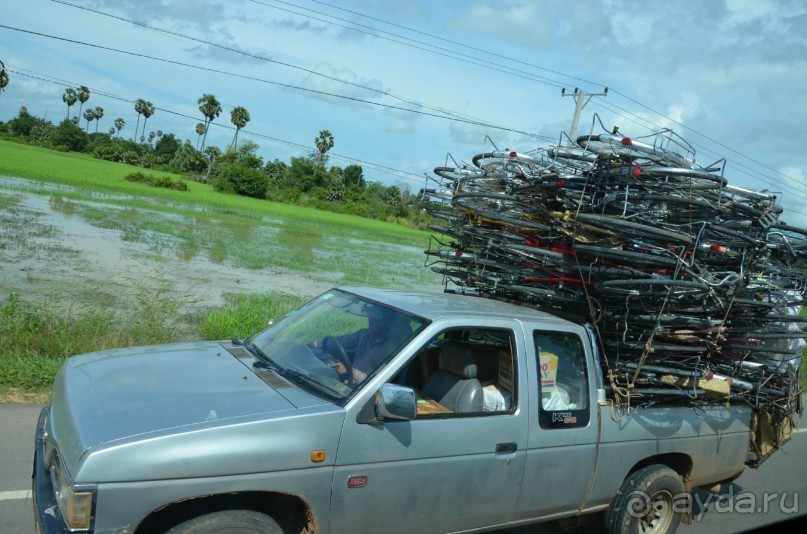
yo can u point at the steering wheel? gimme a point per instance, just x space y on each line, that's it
341 356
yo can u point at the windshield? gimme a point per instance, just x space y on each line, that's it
336 341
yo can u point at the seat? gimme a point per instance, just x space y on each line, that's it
454 383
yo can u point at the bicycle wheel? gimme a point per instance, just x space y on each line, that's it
670 208
666 320
650 287
688 178
625 146
453 173
638 260
517 222
549 295
609 223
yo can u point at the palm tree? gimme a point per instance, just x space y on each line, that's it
119 124
3 77
139 105
88 116
83 94
239 116
211 109
98 112
324 143
69 97
200 129
148 111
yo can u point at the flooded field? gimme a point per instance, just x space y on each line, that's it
77 245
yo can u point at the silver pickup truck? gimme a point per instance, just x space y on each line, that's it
370 410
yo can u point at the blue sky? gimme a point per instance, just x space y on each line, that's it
387 77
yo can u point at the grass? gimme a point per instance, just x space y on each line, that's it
87 176
37 335
243 315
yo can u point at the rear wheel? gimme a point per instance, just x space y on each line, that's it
229 522
651 500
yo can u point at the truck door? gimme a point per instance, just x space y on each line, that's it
562 442
459 464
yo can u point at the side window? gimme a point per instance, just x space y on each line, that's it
563 380
463 372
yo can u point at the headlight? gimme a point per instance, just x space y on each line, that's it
76 506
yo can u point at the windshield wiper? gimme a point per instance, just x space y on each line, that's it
263 361
299 377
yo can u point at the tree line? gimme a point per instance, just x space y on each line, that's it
234 169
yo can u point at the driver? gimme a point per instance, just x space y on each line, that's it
372 345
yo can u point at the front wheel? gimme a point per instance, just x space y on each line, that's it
651 500
229 522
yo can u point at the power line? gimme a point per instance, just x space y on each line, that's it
469 47
432 48
282 63
288 86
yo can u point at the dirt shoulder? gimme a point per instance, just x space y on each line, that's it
16 396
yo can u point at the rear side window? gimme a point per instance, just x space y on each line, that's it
563 382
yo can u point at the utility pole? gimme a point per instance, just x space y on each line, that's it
580 101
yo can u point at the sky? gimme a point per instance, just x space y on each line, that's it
408 85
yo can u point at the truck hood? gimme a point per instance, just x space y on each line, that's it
114 398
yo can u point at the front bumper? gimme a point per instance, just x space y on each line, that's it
47 516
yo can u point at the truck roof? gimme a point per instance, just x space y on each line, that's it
434 305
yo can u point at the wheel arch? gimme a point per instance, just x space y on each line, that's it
677 461
290 511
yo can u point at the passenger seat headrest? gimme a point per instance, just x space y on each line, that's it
456 357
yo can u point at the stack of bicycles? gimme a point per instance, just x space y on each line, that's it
693 284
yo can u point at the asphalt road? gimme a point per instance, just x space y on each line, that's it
781 481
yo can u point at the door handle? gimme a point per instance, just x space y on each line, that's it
506 447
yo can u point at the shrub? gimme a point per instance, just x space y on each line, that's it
241 180
70 135
156 181
188 160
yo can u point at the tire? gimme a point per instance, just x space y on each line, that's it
622 226
627 258
649 501
229 522
663 207
651 287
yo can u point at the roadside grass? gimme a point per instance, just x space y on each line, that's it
37 338
244 315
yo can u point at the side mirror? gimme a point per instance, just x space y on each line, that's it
395 402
